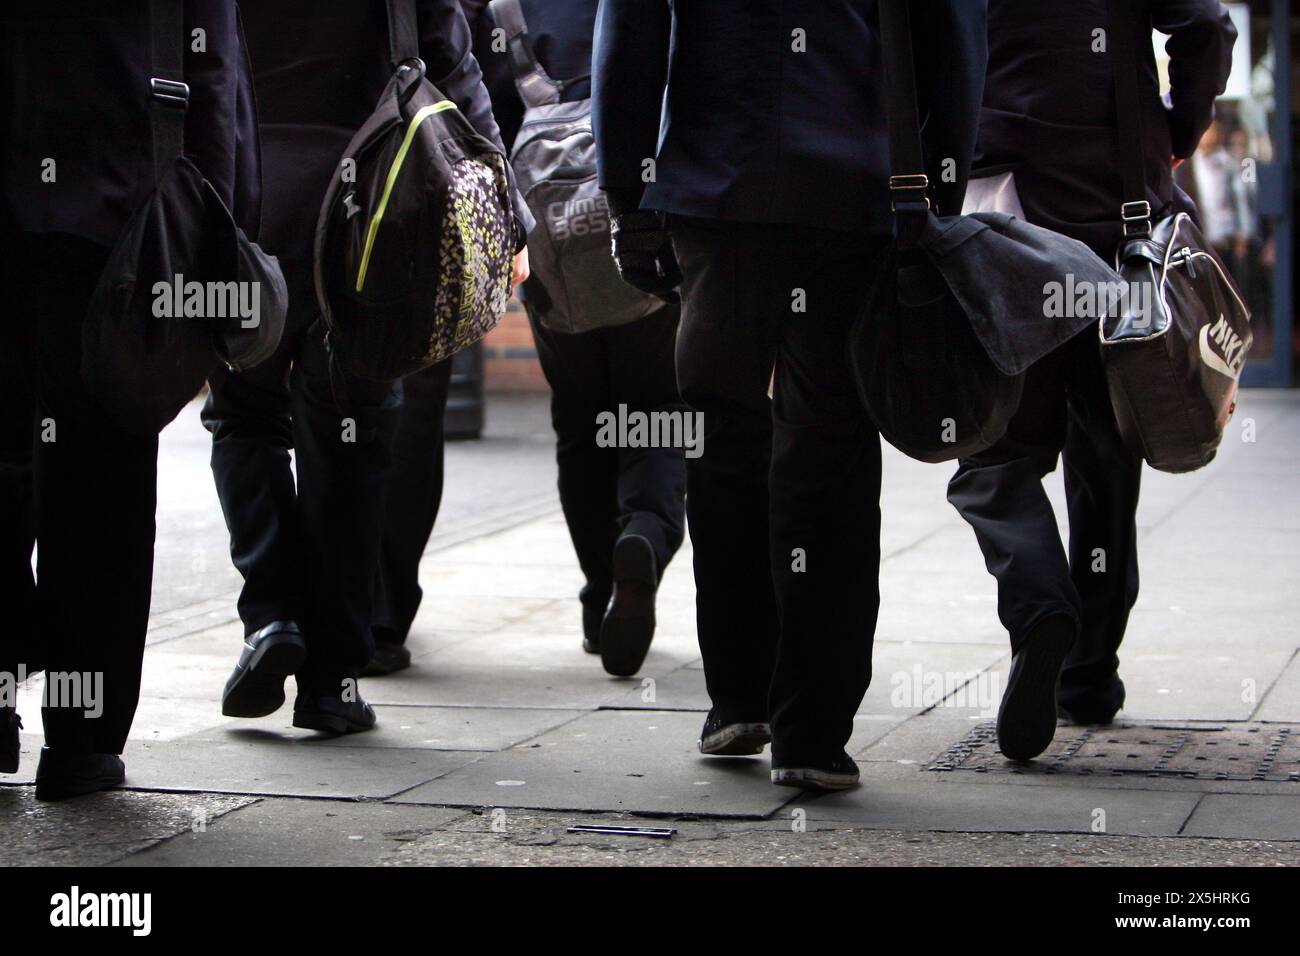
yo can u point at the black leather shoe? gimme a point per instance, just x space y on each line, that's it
330 714
10 748
1095 706
593 617
1083 717
733 738
62 775
256 686
388 659
841 773
629 624
1027 715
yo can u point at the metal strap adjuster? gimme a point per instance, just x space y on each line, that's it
1137 218
1135 211
909 182
170 92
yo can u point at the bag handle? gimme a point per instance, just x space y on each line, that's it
908 183
169 95
403 32
535 86
1124 30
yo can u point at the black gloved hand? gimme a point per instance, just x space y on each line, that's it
643 252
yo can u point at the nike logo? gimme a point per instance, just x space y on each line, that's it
1230 362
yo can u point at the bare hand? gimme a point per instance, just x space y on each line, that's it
521 266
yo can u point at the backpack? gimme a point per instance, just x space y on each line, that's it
415 239
575 286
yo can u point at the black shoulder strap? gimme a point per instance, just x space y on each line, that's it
403 31
169 96
908 182
535 86
1125 29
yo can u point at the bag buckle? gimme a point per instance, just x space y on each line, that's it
907 183
1133 214
170 92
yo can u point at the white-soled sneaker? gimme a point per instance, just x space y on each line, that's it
840 774
720 738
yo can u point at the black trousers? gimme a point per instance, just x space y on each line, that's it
77 487
784 504
411 500
308 551
605 492
1065 412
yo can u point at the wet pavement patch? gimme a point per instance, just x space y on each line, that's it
1238 752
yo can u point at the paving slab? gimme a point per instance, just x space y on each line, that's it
441 612
907 677
918 739
680 689
463 680
674 625
99 828
223 639
277 832
1233 816
1184 665
156 719
219 649
939 804
473 582
1282 702
428 728
544 541
521 646
258 762
643 761
911 676
942 615
210 612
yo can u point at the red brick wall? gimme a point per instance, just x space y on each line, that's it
510 357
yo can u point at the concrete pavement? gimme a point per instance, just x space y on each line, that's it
504 732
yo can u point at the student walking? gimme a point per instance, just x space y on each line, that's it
1048 136
762 186
309 549
624 506
76 162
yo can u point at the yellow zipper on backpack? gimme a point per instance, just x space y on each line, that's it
393 170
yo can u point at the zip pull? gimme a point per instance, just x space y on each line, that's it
1185 257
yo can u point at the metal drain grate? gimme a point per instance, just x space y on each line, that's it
1239 752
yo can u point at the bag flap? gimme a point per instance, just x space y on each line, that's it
1015 282
249 341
